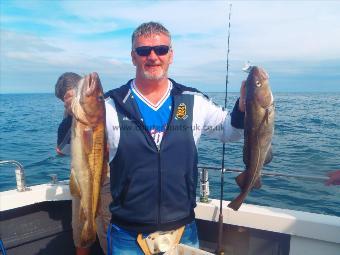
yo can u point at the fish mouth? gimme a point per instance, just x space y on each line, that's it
92 83
94 75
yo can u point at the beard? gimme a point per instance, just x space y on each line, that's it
152 75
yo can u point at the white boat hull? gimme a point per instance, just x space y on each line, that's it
251 230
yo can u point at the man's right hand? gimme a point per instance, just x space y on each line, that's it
68 98
334 178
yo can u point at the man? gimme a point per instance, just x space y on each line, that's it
153 126
68 82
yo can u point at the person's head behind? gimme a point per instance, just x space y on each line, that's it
65 82
151 51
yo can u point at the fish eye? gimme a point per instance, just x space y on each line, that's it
258 84
100 98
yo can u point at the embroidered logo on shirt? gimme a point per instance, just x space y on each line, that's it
181 112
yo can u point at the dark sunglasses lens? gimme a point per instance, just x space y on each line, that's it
144 51
161 50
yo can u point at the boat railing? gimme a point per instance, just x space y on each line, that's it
204 180
204 187
19 174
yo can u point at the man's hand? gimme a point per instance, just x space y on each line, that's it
242 101
68 98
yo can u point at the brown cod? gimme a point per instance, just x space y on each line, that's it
89 155
258 132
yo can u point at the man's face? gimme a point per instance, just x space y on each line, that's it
153 66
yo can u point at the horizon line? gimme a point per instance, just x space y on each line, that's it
299 91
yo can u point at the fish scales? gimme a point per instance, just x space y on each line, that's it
258 132
89 155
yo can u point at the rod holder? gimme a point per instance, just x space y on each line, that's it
20 179
19 174
204 188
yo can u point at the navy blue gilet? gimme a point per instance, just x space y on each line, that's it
153 188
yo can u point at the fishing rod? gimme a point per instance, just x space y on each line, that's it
272 174
220 217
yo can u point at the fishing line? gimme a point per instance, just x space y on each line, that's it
39 163
220 218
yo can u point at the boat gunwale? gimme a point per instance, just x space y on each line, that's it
286 221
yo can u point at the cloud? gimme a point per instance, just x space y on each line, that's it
290 39
259 29
13 41
30 63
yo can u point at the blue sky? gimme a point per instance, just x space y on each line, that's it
297 42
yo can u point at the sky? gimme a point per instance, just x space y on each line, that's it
297 42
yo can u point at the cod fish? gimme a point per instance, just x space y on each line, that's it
258 132
88 154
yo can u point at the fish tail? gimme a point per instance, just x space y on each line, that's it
236 203
88 234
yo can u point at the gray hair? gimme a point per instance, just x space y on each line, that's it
149 28
65 82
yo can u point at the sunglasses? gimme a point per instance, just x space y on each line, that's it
160 50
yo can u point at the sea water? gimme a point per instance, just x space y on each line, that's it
306 142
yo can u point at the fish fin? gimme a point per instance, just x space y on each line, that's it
82 216
266 116
105 172
241 180
78 111
74 187
258 183
97 211
269 156
106 165
88 139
